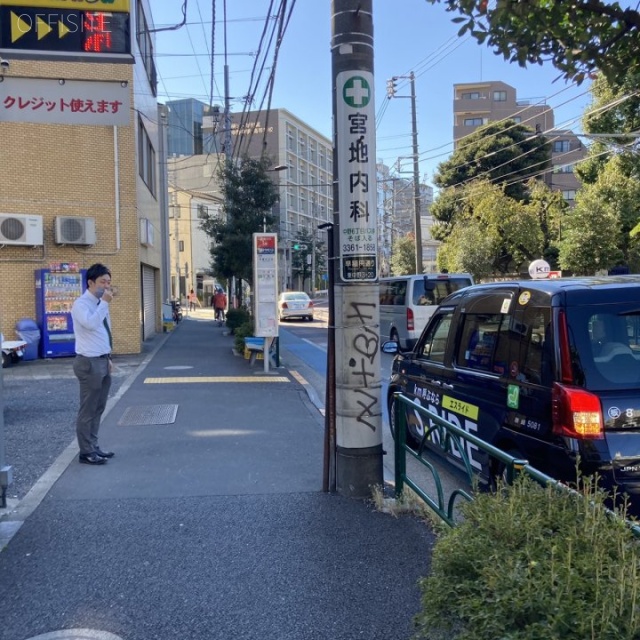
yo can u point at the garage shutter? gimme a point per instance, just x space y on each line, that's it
149 307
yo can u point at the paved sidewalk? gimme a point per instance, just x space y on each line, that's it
209 523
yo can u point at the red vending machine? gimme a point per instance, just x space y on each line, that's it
56 290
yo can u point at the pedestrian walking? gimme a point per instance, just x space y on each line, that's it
92 366
193 300
219 304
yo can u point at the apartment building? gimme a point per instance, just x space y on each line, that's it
478 103
80 181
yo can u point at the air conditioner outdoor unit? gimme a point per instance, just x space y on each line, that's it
75 230
21 230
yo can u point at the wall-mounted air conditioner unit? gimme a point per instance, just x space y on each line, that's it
21 229
75 230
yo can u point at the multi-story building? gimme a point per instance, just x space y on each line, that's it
306 187
396 218
478 103
81 139
194 195
185 136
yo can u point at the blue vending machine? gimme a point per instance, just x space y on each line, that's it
56 290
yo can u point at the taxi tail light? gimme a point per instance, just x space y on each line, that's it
310 304
410 320
576 413
284 305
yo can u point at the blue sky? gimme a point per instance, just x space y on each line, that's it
409 35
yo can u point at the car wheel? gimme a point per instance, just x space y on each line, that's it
410 439
310 318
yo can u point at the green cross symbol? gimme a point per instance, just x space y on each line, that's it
356 92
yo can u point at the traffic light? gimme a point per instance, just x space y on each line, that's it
296 247
391 87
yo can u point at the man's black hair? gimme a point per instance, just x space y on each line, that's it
96 271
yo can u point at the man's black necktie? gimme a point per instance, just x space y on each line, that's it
106 326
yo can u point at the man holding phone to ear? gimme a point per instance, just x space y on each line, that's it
92 366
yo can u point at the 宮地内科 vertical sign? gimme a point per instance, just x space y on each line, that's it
357 201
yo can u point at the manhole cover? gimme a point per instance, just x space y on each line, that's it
78 634
149 414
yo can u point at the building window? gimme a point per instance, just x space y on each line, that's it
473 122
180 245
569 194
471 95
564 168
146 158
517 119
291 141
560 146
499 96
145 45
203 211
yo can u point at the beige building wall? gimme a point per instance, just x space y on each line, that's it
87 171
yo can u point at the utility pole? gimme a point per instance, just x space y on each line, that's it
356 334
417 226
416 177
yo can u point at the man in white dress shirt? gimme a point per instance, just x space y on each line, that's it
92 366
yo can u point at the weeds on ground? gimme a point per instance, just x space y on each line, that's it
533 563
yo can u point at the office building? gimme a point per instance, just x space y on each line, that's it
306 191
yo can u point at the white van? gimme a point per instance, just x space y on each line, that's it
407 303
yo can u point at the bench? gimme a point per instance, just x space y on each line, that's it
254 350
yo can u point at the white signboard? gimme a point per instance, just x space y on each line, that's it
265 284
61 101
356 140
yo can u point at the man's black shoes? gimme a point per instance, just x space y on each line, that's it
104 454
91 458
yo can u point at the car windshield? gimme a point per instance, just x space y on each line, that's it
295 296
433 292
606 345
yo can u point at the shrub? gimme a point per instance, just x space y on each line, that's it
243 331
533 563
236 318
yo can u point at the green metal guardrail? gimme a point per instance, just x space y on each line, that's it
451 437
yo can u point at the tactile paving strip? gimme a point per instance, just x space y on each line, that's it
149 414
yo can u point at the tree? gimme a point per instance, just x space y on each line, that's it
502 152
578 38
548 207
403 256
248 196
491 233
597 233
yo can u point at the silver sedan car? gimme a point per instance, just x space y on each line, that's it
295 304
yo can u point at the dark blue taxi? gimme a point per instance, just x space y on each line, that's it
546 370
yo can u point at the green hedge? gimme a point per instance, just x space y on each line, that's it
533 563
236 318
